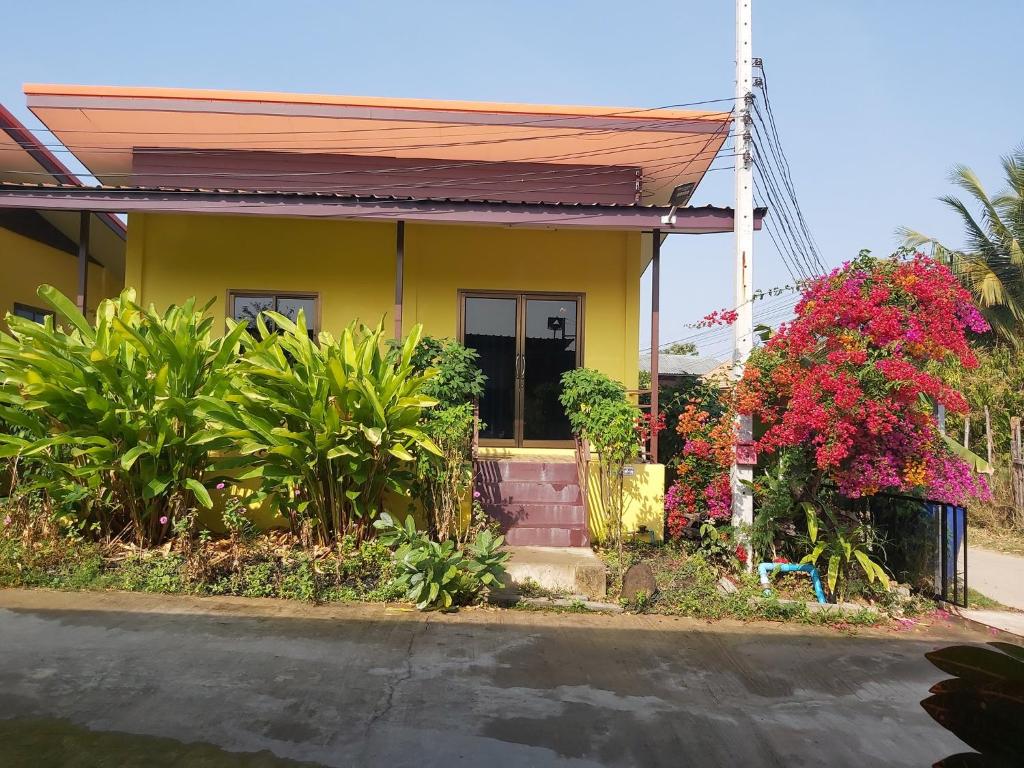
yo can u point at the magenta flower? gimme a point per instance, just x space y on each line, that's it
163 520
220 486
476 494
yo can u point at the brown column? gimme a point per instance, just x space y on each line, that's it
399 277
83 260
655 322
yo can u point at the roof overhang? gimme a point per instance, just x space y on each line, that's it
23 158
104 125
702 220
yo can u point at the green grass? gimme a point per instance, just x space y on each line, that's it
982 602
688 586
360 574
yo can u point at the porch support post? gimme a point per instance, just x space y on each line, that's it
655 323
83 260
399 277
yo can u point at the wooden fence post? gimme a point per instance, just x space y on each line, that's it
967 432
1017 472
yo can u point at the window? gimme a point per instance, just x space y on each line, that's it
32 313
245 307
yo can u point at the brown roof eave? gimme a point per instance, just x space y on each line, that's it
699 220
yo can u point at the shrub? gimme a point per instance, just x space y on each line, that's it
440 574
106 411
445 479
326 426
599 413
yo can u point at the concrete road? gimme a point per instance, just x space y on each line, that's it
126 680
997 575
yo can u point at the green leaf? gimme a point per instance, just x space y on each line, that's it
133 454
866 564
154 488
63 305
812 520
833 573
400 453
373 434
202 495
973 460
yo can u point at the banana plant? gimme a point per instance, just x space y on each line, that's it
326 426
104 411
844 547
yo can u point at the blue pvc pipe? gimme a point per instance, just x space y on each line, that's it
763 568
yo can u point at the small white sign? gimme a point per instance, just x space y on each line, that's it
628 471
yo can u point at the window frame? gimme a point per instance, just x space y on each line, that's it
313 323
44 313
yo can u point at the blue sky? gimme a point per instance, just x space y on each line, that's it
875 100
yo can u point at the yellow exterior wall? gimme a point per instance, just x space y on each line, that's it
644 493
26 264
604 266
351 265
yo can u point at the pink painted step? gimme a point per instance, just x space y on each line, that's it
547 537
525 491
538 503
496 470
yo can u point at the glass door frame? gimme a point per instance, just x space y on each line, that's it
521 298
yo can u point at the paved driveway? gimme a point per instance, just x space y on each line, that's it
997 575
124 680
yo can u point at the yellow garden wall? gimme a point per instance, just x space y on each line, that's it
351 265
26 264
644 492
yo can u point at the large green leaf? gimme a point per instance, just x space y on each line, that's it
975 461
199 490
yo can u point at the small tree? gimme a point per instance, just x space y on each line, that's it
599 413
445 479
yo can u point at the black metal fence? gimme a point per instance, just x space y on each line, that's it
925 544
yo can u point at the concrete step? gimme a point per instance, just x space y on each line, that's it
576 570
529 492
512 514
547 536
497 470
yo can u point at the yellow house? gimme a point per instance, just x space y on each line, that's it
46 246
522 230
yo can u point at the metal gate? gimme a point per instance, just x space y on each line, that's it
951 543
925 544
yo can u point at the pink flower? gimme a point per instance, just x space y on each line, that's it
476 494
163 520
220 486
7 520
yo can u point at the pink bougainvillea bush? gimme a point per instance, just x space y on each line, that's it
851 381
702 469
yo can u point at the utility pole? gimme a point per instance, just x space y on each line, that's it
743 330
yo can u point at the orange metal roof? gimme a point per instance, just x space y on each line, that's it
102 125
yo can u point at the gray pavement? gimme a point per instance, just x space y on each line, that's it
997 575
124 680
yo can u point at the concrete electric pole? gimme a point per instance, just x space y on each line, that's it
743 329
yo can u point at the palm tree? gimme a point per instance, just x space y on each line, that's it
991 264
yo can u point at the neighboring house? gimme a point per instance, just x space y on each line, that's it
522 230
42 246
674 370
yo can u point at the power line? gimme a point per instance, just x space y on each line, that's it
786 168
787 227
